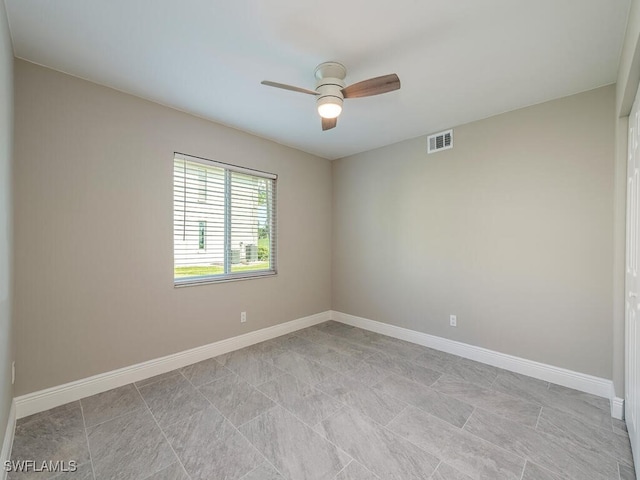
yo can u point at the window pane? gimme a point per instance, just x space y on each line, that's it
248 217
198 226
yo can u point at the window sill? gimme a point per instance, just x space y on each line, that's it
193 281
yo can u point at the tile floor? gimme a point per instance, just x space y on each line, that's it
332 402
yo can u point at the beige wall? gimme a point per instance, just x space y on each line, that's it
511 230
6 141
93 232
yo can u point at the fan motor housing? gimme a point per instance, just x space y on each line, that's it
330 70
330 82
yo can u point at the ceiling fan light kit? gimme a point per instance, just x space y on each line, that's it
329 106
331 90
329 86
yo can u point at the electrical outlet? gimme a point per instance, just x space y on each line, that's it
13 373
243 317
453 321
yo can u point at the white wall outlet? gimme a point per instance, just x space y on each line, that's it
453 321
13 373
243 317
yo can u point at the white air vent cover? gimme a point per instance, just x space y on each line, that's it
440 141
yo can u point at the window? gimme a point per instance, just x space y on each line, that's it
223 221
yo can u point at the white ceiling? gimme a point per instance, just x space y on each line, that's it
458 61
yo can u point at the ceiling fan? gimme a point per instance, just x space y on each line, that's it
331 90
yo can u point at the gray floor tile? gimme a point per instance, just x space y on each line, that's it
210 447
172 399
57 434
583 406
600 403
204 372
334 328
404 368
239 358
295 343
284 339
405 349
447 472
336 360
389 345
265 351
506 406
302 368
172 472
113 403
292 447
619 425
626 473
447 408
327 356
69 410
315 335
355 349
263 472
355 471
598 440
306 402
236 399
258 371
367 373
436 360
376 404
386 454
345 346
474 372
83 472
463 451
545 450
522 386
128 447
400 348
157 378
254 370
592 408
361 336
534 472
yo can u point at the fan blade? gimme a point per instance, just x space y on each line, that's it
329 123
289 87
373 86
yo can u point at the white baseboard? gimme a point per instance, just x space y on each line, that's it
55 396
5 453
561 376
617 407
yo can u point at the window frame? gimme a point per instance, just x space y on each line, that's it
227 196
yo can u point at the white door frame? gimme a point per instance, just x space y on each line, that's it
632 282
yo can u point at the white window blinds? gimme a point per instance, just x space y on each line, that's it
224 221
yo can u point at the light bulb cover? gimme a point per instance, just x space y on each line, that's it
329 106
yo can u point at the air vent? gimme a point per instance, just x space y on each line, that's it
440 141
